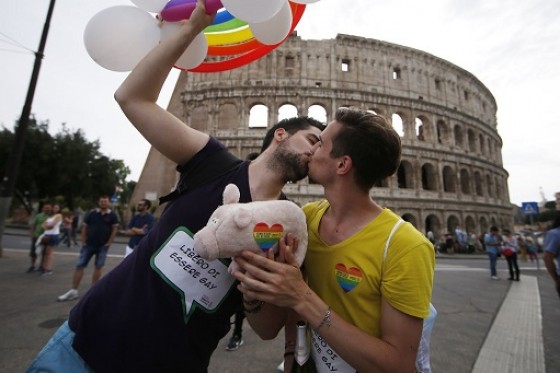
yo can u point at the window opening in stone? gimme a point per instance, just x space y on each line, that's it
458 132
441 129
317 112
345 65
465 182
419 126
404 175
438 84
258 116
472 141
428 177
397 123
396 73
448 179
287 111
478 183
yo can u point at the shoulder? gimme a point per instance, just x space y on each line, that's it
210 148
313 208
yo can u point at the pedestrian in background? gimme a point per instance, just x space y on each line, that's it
552 251
138 225
98 232
510 243
36 231
66 228
51 238
493 244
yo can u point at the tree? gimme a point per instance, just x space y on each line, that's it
67 167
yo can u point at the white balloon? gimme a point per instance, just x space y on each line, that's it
304 1
274 30
195 54
253 10
117 38
154 6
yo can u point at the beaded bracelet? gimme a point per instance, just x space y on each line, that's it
326 320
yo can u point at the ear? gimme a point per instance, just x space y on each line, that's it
280 134
242 216
344 165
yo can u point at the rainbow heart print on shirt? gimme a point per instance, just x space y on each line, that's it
347 278
267 236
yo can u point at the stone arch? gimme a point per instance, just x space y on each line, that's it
287 111
489 185
420 128
429 181
482 144
458 135
398 124
452 223
465 181
483 225
258 116
472 140
318 112
470 224
442 131
449 179
410 218
405 175
478 184
433 224
228 115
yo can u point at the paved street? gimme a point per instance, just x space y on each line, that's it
473 330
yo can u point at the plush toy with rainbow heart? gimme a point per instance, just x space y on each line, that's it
243 30
255 226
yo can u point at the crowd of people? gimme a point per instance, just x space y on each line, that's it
97 229
365 287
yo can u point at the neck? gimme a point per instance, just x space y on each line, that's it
264 183
350 210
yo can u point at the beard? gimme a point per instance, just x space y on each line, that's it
290 165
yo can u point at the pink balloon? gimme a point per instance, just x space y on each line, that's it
178 10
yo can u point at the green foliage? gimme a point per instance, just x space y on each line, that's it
65 167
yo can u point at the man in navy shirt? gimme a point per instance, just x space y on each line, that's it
138 225
98 232
164 309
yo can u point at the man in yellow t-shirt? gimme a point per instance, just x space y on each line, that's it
369 277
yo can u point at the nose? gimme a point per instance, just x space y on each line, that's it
314 148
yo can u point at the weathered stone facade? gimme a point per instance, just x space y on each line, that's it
451 173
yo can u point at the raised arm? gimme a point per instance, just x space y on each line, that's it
138 94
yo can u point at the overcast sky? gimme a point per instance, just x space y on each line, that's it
511 46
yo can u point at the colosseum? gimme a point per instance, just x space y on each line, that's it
451 175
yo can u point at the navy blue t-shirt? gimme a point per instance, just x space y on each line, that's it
135 318
139 221
99 226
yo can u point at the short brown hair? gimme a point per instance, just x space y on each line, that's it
371 142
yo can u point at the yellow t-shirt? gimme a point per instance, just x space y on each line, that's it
351 276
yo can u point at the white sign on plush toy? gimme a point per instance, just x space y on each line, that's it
255 226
